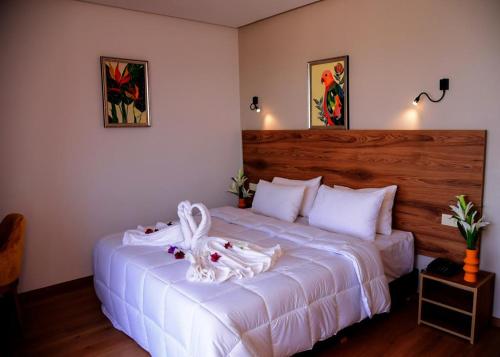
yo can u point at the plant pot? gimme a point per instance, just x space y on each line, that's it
471 266
242 203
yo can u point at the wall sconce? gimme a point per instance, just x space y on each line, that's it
255 104
444 85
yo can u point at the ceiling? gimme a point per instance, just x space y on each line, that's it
232 13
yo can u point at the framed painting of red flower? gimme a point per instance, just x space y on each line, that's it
328 93
125 92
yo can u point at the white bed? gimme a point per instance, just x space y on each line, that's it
309 295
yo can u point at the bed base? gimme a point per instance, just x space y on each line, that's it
403 288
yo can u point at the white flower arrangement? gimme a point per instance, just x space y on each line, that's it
465 215
238 185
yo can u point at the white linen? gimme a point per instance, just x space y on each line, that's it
349 212
165 235
384 221
396 250
311 189
278 201
311 293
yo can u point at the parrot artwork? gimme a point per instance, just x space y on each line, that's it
331 105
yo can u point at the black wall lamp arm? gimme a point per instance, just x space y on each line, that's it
444 85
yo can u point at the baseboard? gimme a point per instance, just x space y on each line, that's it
495 321
52 290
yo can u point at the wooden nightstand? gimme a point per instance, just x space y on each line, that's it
455 306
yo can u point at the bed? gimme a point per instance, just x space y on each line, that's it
309 295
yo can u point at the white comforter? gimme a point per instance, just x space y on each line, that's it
322 283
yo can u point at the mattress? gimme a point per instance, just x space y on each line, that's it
396 250
309 295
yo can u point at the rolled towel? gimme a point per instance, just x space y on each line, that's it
164 236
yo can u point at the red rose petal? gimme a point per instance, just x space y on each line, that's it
228 245
149 231
214 257
179 255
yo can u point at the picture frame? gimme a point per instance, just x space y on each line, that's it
328 79
125 92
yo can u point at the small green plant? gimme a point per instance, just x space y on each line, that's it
238 185
465 215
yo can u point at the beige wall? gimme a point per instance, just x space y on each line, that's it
396 48
76 181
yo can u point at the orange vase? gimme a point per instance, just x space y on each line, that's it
471 266
242 203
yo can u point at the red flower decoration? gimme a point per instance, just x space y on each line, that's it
149 231
179 255
214 257
228 245
171 250
339 69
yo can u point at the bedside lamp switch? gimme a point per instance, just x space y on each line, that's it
447 220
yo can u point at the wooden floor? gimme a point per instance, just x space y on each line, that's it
70 323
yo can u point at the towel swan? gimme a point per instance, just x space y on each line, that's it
213 259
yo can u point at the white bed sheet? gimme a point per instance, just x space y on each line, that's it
309 295
396 250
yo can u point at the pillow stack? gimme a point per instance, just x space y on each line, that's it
360 213
347 211
285 199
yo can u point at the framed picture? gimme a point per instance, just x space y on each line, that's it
328 93
125 93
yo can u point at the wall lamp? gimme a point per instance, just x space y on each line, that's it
255 104
444 85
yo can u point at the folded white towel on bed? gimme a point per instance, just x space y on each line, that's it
218 259
213 259
164 236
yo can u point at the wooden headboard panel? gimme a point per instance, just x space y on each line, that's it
430 168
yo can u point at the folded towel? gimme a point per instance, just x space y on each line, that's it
213 259
164 236
218 259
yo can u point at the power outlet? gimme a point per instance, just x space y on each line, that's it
447 220
252 186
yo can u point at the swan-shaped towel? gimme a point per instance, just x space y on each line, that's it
213 259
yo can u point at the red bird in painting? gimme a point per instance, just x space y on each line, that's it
333 98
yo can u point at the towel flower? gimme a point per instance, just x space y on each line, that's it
228 245
214 257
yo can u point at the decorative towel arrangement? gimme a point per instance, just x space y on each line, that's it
213 259
162 235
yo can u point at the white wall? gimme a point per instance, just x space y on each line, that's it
397 49
75 180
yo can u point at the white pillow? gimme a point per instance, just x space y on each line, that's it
347 211
310 192
278 201
384 223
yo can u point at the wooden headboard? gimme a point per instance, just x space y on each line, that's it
430 168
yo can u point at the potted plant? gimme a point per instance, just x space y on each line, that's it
238 188
465 216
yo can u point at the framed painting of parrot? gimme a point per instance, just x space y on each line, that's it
125 92
328 93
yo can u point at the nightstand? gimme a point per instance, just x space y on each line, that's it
450 304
